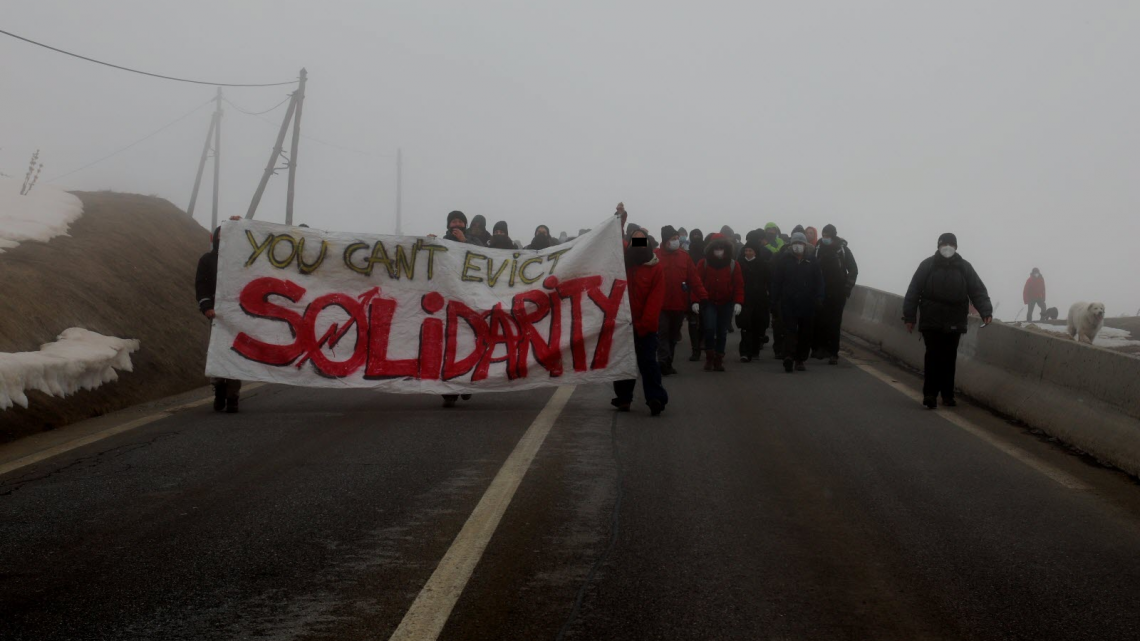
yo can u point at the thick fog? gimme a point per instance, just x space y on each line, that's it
1012 124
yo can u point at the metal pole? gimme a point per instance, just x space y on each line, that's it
272 158
202 165
300 100
399 191
217 156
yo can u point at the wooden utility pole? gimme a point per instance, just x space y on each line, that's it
399 191
272 164
299 99
202 165
217 156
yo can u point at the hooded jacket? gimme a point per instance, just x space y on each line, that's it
482 234
680 274
696 245
797 285
757 279
1034 289
941 292
778 244
646 292
839 268
206 279
721 277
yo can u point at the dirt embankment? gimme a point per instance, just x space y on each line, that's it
126 270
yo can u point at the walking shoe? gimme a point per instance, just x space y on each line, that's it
655 407
718 363
930 401
465 397
667 369
232 405
622 406
800 366
949 402
219 398
788 365
449 400
709 360
834 360
696 357
745 359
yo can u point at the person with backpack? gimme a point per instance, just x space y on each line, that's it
839 275
938 302
724 283
797 295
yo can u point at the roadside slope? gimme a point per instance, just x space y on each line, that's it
126 269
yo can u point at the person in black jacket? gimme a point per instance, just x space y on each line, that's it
839 275
755 266
457 231
478 229
541 239
797 295
696 252
500 239
226 390
938 300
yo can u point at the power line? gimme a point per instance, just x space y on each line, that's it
258 113
139 141
145 73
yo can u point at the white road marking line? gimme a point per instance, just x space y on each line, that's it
430 611
1063 478
62 448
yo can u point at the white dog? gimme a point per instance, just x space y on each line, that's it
1085 321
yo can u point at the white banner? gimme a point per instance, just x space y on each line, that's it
305 307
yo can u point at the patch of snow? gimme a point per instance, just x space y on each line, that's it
1109 337
78 359
44 213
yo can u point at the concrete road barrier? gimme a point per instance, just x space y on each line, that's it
1085 396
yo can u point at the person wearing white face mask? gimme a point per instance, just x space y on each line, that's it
938 301
724 283
839 275
753 319
684 292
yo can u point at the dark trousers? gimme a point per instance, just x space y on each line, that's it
668 335
797 336
753 325
777 334
1039 303
227 387
646 348
941 362
715 320
828 324
694 330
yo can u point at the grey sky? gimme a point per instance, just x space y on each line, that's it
1012 124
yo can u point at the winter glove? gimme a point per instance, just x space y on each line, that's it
696 308
736 309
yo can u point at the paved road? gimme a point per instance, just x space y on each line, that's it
824 505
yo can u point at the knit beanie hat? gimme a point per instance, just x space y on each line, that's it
501 226
947 239
667 232
798 237
457 214
829 230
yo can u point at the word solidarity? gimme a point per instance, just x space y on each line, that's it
323 309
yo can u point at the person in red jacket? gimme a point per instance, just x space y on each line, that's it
1034 293
724 284
682 285
646 293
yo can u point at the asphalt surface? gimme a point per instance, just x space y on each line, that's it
761 505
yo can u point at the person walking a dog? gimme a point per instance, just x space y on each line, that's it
938 301
1034 293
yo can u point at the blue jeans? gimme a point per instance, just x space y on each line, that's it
715 320
646 348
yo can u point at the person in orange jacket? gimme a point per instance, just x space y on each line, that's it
646 293
723 281
683 292
1034 293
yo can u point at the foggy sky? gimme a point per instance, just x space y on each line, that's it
1012 124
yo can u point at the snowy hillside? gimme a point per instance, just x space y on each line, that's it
79 359
44 213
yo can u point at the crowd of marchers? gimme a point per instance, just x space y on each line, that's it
795 284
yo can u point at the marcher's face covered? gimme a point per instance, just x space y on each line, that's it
772 234
674 243
947 251
499 232
542 231
798 249
749 254
827 240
